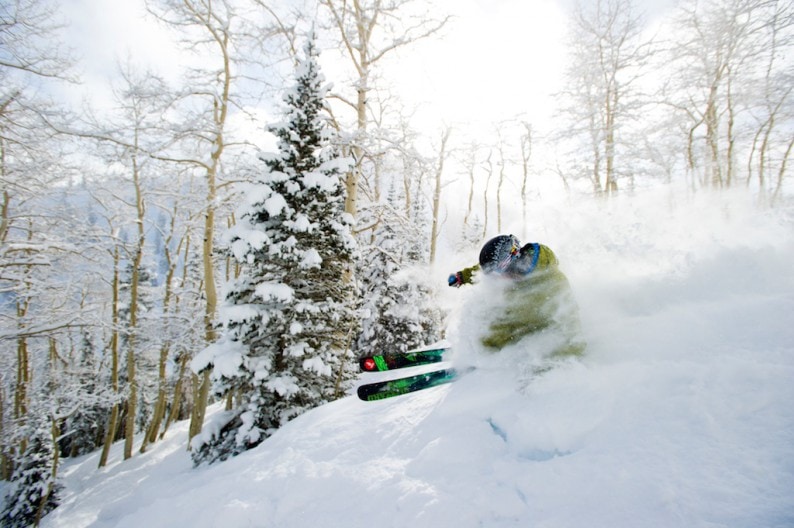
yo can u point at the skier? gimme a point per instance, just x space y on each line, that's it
538 299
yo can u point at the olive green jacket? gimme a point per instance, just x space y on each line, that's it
540 301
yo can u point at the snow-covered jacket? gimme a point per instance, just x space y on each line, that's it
538 299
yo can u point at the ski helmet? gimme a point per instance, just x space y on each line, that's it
498 253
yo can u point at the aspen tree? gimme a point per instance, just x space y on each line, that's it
608 53
368 31
209 26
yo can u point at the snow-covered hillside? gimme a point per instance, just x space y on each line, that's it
681 415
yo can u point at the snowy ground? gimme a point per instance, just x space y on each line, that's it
680 416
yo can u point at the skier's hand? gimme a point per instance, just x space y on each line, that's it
456 279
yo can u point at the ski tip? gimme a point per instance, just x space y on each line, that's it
368 393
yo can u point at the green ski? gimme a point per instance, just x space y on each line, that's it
414 358
387 389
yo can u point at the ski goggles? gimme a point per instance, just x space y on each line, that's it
504 263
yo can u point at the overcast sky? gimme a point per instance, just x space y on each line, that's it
498 59
102 36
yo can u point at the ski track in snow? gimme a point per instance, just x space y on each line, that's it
680 416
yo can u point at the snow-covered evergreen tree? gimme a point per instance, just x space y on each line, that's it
34 490
471 236
289 319
400 313
89 399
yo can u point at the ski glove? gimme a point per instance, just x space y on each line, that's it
456 279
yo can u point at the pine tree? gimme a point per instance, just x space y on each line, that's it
34 490
398 302
470 236
90 399
289 317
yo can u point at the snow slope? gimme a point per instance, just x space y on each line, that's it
680 416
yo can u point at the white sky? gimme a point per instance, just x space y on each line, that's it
497 60
104 34
102 37
503 55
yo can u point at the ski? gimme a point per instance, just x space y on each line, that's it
381 362
388 389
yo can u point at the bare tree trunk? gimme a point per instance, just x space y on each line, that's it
132 401
489 163
782 173
763 153
176 403
500 184
526 154
442 154
158 411
132 396
711 120
114 372
596 170
472 161
610 180
5 461
730 137
23 376
201 384
5 203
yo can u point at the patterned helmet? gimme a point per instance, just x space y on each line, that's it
498 253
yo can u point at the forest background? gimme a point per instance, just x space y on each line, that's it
119 179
